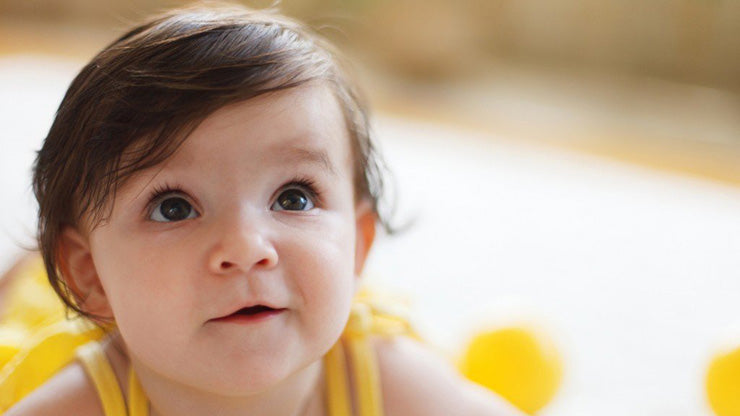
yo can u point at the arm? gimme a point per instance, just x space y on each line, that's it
415 381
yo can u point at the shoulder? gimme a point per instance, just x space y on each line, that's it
417 381
69 392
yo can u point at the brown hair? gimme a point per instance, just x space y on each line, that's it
139 98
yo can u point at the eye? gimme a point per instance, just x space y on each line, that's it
293 199
173 209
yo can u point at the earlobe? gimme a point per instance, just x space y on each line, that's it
79 273
365 235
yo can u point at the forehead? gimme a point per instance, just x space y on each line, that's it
302 123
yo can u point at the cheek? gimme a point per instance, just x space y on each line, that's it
137 275
323 275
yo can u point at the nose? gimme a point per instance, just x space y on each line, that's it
241 245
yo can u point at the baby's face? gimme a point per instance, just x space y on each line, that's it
256 210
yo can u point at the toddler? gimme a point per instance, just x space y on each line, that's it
208 195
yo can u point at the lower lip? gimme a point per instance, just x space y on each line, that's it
250 319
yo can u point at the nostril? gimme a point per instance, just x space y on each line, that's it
264 262
226 265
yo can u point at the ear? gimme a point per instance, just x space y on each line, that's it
79 273
365 234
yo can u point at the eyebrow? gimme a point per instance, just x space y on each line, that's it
313 156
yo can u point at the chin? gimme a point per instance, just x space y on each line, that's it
240 385
251 378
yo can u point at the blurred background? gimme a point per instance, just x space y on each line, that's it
571 164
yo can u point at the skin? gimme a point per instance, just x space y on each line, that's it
166 282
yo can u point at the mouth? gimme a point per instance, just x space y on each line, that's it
254 310
251 314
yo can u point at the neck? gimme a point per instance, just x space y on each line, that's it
299 395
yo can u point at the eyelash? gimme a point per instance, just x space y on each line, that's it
159 192
163 190
304 183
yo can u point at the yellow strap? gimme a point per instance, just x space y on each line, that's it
137 401
96 364
338 399
41 356
367 380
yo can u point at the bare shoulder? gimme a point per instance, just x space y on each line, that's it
417 381
69 392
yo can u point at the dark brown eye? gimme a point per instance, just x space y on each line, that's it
292 200
173 209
